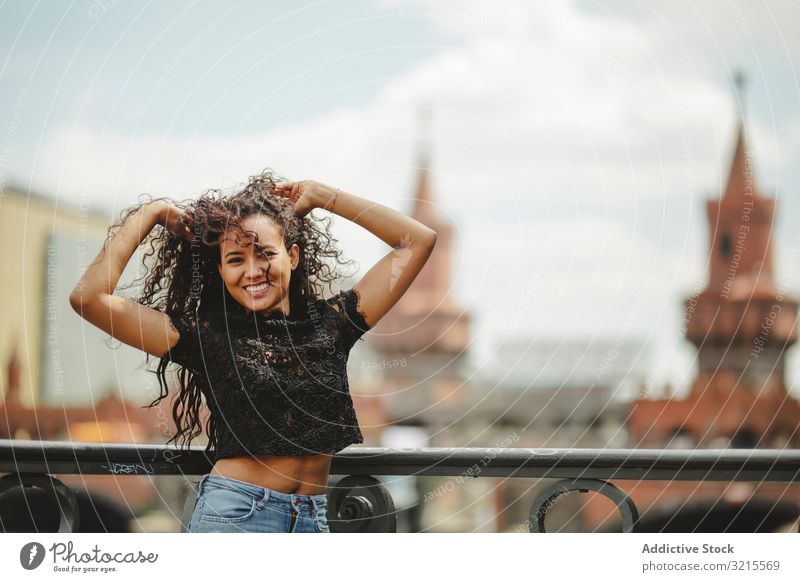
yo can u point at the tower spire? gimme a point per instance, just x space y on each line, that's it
424 125
423 202
741 180
739 82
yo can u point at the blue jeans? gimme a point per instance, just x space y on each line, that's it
225 504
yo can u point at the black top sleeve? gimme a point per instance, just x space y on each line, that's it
352 322
186 352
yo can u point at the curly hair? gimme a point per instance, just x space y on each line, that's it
181 276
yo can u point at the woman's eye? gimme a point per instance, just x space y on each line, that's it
260 255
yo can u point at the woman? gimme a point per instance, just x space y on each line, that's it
232 296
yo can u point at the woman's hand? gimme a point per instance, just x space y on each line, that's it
173 219
306 195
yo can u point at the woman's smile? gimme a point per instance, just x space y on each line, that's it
257 290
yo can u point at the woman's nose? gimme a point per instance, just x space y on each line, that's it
253 269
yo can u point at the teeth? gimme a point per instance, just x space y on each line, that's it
255 288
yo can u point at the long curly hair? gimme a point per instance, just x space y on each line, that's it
181 276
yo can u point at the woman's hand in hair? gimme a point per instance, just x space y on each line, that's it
306 195
173 219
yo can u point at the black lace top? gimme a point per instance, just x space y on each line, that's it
274 384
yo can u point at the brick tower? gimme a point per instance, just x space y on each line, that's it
741 324
421 343
426 320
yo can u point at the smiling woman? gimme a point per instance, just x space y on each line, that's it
233 296
242 260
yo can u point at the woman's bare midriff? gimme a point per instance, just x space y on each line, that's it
302 475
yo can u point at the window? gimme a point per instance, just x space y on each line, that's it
725 245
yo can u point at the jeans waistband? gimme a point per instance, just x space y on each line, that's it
264 494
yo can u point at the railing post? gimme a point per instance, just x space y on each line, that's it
548 496
361 503
37 484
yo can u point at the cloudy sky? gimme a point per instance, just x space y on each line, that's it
574 143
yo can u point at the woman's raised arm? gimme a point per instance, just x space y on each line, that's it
412 242
93 297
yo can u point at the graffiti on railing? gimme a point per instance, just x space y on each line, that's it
129 468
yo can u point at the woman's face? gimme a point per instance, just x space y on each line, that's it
257 275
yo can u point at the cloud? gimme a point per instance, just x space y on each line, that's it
544 97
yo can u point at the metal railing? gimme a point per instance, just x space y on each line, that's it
360 502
